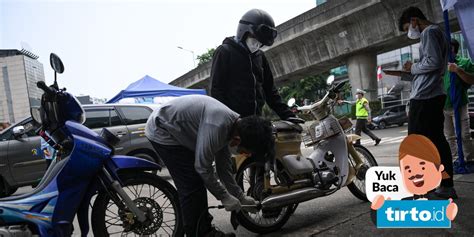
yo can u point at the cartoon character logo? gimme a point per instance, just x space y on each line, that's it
421 171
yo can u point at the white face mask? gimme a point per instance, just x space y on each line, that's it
234 150
413 33
253 44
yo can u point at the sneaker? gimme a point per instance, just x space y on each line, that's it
377 141
446 192
217 233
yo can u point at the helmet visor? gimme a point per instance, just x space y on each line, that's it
265 34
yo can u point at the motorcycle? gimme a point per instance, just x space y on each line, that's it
288 178
129 199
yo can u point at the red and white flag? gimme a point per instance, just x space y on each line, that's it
379 73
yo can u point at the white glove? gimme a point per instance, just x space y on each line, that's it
231 203
249 201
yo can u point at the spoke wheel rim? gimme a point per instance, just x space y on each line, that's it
156 205
251 188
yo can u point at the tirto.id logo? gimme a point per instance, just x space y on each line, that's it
413 214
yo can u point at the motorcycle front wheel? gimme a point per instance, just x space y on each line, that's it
357 186
250 179
157 198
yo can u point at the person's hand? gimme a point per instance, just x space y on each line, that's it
231 203
407 66
295 120
452 210
249 204
378 201
369 120
46 152
452 67
339 102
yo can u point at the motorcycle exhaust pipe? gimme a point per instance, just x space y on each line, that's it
292 197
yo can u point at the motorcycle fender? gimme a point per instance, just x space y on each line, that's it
133 163
353 138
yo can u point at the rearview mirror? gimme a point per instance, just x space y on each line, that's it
291 102
36 114
18 131
330 79
56 63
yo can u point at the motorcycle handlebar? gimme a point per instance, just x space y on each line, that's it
45 88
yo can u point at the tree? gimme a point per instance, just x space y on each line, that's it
206 57
312 88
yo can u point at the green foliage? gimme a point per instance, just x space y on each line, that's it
375 107
312 88
205 57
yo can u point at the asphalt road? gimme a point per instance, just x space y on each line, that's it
321 214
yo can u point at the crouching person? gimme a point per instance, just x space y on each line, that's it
187 133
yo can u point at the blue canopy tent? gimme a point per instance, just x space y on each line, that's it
149 87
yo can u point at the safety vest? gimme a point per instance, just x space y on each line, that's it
361 112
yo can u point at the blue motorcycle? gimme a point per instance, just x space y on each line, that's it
129 198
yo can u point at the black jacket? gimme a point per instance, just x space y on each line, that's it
244 81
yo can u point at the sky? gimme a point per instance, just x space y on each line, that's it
106 45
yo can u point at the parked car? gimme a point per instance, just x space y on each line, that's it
21 162
391 115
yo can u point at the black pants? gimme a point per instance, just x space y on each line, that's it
426 118
361 126
191 190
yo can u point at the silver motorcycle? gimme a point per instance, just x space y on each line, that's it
289 178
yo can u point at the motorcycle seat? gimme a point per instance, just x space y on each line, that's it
286 126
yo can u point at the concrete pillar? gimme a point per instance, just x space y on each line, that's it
362 72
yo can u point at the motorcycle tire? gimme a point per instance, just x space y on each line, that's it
103 206
242 217
369 158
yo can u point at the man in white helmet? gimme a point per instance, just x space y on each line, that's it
363 115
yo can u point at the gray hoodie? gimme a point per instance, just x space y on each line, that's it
201 124
427 74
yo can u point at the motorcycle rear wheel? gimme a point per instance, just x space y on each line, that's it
357 186
260 222
153 195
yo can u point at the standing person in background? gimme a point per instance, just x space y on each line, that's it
464 70
427 98
363 115
49 153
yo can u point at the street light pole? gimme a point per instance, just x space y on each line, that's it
192 52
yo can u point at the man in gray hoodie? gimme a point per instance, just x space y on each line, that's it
427 96
187 133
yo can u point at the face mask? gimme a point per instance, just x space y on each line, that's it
234 150
253 44
413 33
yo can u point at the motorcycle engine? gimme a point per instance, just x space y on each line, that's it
16 231
324 178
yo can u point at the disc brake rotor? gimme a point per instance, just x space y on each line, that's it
154 217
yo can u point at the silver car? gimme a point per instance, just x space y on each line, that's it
21 162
